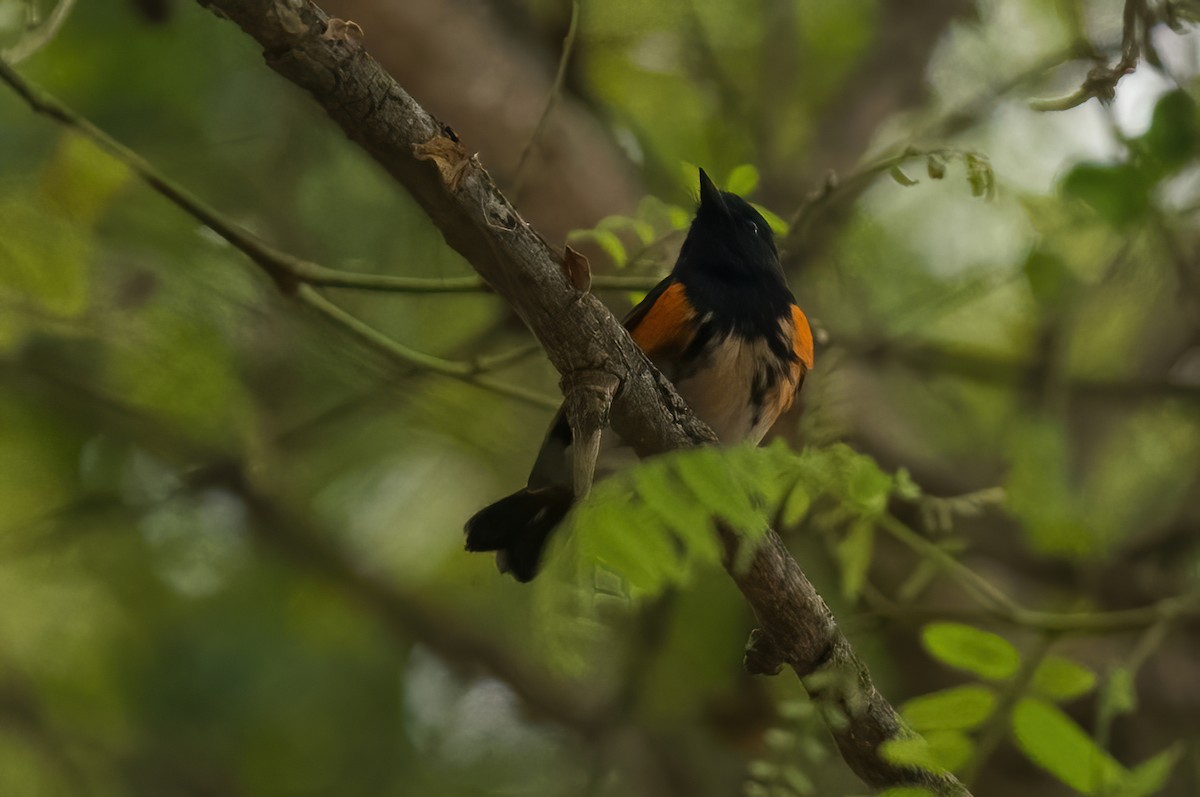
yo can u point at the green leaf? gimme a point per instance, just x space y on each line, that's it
951 749
607 240
44 262
1152 775
904 486
1118 696
775 222
980 176
689 173
1060 679
642 229
967 648
1041 495
779 739
1049 277
796 507
936 751
605 536
854 555
959 708
936 167
1118 193
673 505
680 219
763 770
742 180
867 486
81 179
715 484
797 780
900 177
1050 739
1172 137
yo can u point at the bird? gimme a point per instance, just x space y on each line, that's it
723 326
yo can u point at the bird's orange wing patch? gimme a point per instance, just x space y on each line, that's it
802 346
667 326
802 339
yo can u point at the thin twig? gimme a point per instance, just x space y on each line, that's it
467 371
560 78
999 606
324 277
291 275
40 36
834 189
1101 81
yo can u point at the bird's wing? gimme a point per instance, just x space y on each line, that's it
662 323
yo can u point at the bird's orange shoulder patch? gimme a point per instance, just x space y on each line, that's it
667 326
802 339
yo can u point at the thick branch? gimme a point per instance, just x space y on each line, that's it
579 335
578 332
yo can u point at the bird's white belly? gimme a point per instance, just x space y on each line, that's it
721 395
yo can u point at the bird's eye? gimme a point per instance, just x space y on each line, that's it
753 227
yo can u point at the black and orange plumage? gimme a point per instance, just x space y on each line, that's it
723 327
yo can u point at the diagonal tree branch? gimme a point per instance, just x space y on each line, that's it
581 337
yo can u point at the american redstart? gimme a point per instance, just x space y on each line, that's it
723 327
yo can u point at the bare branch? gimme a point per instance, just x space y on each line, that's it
1101 82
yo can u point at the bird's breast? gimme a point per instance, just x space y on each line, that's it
740 385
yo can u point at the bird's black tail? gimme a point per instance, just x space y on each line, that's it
518 526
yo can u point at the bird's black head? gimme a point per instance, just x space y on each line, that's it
729 240
730 268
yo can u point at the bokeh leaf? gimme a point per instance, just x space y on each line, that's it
1118 192
1052 740
1061 679
972 649
957 708
742 180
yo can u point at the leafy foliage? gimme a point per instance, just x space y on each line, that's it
968 648
958 708
652 524
1052 740
1060 679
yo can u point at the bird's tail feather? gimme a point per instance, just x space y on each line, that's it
517 527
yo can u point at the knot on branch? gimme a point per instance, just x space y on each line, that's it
588 398
763 656
287 14
345 31
448 154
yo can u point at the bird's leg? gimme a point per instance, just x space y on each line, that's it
589 395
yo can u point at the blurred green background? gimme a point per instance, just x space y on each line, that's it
230 533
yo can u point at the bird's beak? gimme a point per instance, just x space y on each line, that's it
710 195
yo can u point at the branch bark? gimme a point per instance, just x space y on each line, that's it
581 338
462 61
